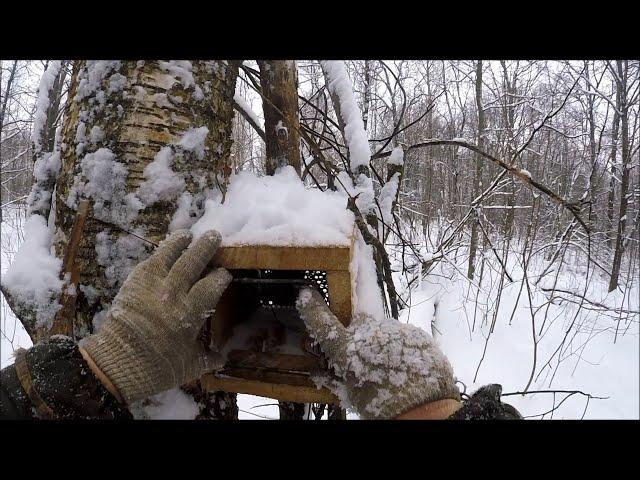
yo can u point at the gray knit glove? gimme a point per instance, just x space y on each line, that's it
148 342
384 368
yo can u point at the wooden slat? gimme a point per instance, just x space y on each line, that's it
283 258
295 379
286 393
281 361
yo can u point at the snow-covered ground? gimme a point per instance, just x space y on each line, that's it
444 305
590 360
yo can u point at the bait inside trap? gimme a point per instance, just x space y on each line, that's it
256 325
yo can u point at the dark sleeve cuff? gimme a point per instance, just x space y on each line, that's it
485 404
63 381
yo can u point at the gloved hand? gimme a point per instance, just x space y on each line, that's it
385 368
148 341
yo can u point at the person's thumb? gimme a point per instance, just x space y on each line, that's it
204 295
323 326
211 362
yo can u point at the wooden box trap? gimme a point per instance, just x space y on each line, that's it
256 324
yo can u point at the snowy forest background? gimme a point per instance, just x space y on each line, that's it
510 219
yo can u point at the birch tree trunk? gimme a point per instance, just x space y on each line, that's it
477 182
612 180
279 82
366 101
622 68
144 144
40 199
590 117
5 99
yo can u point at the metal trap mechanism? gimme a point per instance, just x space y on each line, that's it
279 288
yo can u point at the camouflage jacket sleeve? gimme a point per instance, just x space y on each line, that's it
485 404
62 380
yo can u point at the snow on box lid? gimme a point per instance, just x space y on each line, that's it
278 210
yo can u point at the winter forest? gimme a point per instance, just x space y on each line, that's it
495 205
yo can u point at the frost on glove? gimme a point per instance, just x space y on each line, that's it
148 342
384 367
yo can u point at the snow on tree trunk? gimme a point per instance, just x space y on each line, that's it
352 127
612 176
146 143
389 192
